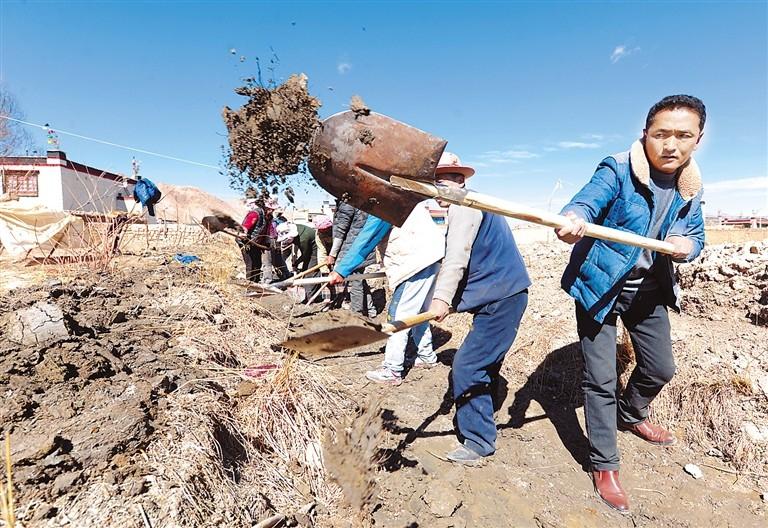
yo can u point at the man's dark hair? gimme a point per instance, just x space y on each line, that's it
671 102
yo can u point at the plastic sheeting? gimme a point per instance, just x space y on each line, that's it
24 228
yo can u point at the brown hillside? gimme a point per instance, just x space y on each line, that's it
188 205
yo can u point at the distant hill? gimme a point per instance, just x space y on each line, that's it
188 205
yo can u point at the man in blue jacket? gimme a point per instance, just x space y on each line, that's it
653 190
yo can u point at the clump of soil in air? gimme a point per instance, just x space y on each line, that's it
358 106
366 136
269 135
353 458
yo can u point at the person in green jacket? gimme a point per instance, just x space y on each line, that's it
303 240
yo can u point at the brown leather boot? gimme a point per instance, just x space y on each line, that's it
649 432
608 487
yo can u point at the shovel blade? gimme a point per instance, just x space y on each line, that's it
352 156
333 340
218 222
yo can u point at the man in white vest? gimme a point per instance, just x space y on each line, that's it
412 260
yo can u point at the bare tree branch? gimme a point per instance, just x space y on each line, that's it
14 138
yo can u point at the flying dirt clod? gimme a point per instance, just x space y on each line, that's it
269 135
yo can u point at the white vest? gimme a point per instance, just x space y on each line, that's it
413 247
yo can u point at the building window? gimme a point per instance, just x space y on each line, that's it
20 182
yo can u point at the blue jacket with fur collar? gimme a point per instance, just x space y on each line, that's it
619 196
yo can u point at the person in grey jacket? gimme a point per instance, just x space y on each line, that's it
347 224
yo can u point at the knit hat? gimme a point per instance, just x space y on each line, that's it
322 222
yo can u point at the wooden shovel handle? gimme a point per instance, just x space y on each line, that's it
292 280
307 272
407 322
322 280
490 204
244 239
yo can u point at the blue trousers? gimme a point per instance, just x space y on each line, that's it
476 366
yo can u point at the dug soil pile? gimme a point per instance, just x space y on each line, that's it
154 395
85 373
716 406
728 281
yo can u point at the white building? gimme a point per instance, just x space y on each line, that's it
64 185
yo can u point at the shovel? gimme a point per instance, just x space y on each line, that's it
221 223
345 330
352 157
271 288
257 289
386 167
468 198
291 282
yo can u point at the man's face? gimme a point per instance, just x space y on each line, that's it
449 179
672 138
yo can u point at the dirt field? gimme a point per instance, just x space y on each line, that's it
152 394
537 476
722 236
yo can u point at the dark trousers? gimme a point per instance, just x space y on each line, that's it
645 317
252 259
360 300
278 263
476 368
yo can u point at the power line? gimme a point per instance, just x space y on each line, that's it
126 147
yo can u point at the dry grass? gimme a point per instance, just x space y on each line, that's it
7 507
221 258
709 411
253 450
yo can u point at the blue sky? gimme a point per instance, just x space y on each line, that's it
531 93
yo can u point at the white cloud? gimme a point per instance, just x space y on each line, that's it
577 145
741 196
619 52
343 67
507 156
742 184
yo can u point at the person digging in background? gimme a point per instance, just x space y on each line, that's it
653 190
304 254
484 274
347 223
411 259
324 239
324 242
274 262
256 239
